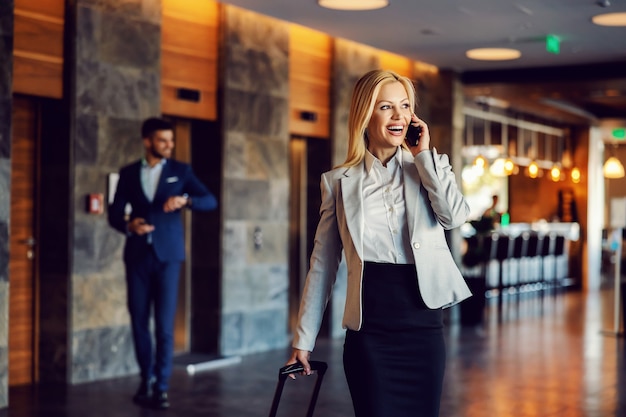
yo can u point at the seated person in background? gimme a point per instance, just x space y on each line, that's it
491 213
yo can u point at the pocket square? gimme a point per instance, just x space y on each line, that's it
171 179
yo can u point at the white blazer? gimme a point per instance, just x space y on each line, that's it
434 203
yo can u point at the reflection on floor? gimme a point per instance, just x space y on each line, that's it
541 357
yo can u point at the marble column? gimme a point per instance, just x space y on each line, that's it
6 77
116 84
255 209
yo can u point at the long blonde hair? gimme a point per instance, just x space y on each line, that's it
364 97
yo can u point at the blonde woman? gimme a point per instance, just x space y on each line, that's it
386 207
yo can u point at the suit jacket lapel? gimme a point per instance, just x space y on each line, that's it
411 193
352 195
165 174
136 179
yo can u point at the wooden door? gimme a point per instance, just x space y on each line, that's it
22 260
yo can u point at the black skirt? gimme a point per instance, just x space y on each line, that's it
395 364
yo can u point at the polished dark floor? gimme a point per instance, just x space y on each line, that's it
539 357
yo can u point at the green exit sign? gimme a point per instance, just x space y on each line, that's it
619 133
553 44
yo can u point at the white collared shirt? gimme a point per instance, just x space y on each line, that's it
150 177
386 234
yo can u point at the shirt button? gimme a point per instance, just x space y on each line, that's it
416 245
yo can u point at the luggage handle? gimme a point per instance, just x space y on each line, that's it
285 371
318 366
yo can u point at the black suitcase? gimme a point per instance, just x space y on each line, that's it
285 371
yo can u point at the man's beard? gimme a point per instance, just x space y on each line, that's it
156 153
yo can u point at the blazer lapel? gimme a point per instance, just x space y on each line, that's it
411 192
352 196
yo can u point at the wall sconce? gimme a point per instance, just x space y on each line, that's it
575 175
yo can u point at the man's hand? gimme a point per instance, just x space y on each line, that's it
139 226
175 203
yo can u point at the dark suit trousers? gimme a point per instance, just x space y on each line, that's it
153 284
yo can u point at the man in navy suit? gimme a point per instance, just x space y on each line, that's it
147 208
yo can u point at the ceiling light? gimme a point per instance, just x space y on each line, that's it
610 19
613 168
353 4
493 54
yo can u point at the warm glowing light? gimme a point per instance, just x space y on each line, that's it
353 4
493 54
497 168
610 19
509 166
533 170
502 167
555 173
613 168
575 175
480 162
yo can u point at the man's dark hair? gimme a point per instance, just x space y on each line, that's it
151 125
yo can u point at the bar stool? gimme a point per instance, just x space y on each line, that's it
474 271
519 253
531 263
559 251
500 251
547 260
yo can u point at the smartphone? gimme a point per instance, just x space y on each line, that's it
413 134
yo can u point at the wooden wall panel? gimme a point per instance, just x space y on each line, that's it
189 59
23 305
38 47
396 63
310 58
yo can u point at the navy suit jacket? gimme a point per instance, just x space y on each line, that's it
176 179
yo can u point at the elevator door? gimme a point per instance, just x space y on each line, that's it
22 246
182 152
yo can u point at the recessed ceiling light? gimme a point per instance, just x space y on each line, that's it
610 19
354 4
493 54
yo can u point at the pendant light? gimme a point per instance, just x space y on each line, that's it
613 168
556 171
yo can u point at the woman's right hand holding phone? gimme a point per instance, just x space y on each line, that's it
424 137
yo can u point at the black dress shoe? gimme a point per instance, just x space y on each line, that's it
160 400
144 395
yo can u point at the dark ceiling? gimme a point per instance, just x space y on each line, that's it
583 83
